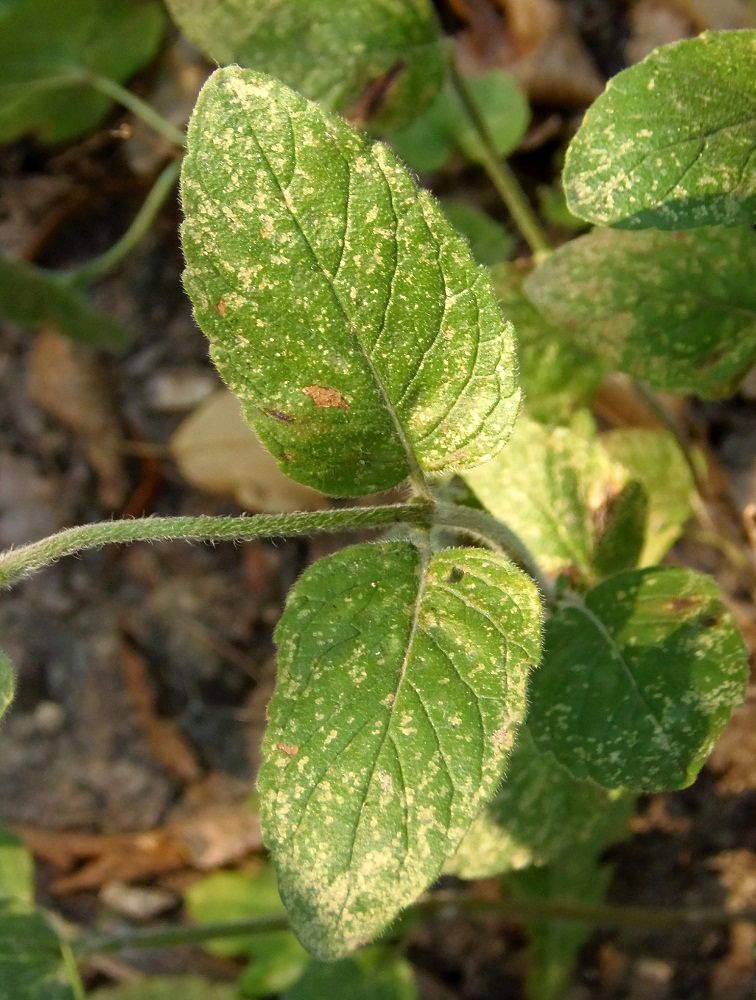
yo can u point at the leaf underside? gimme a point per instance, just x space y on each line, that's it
45 46
671 142
341 307
381 61
539 809
676 309
561 492
557 374
401 685
637 682
654 459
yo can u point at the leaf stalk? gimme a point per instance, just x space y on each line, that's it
495 535
521 909
499 172
109 88
18 563
139 227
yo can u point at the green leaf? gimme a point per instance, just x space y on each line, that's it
34 297
401 685
557 374
31 962
489 241
341 307
47 49
16 869
676 309
670 143
7 683
428 142
345 57
277 958
576 875
552 205
539 811
655 460
563 495
638 681
32 966
169 988
373 974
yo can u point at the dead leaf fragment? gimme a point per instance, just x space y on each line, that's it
137 902
165 739
67 382
325 397
217 451
209 839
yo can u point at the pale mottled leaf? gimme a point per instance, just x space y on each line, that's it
277 959
7 683
342 55
539 810
401 685
576 875
169 988
563 494
342 309
489 241
557 374
47 47
676 309
670 144
34 297
373 974
429 141
637 682
655 460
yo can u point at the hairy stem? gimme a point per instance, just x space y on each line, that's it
136 106
141 223
593 913
522 909
18 563
500 173
489 531
166 937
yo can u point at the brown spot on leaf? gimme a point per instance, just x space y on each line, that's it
290 749
220 307
325 398
679 604
711 620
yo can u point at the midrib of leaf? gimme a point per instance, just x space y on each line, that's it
424 561
616 652
416 473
